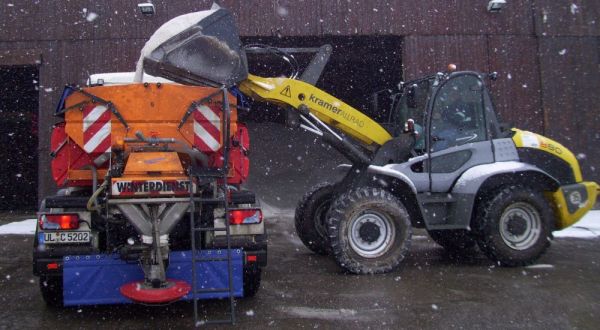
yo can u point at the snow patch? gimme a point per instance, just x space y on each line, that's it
540 266
321 313
25 227
587 227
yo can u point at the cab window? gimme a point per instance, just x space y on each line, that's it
412 105
457 116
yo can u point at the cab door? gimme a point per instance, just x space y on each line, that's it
457 136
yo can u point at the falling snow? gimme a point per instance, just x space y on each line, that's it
282 11
574 9
91 17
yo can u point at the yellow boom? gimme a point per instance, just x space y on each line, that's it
329 109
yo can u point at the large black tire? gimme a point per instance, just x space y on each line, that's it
252 276
369 230
310 218
454 241
52 290
514 225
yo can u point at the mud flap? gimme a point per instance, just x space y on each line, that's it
96 279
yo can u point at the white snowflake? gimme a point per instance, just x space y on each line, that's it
91 17
574 9
282 11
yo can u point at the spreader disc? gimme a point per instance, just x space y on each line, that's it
141 292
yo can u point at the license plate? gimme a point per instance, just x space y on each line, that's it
66 237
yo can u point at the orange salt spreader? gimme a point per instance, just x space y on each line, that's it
151 175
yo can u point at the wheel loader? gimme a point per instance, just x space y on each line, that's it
444 162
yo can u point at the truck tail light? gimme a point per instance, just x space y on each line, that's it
59 221
52 266
245 217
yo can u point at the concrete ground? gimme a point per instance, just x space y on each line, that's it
303 290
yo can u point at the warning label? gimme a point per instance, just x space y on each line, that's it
286 91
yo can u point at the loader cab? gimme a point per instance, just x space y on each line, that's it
460 124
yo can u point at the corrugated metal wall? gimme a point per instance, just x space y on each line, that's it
546 51
568 34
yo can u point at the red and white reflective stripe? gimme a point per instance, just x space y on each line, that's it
207 129
96 132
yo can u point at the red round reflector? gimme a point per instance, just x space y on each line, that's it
144 293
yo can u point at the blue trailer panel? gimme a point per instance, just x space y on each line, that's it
96 279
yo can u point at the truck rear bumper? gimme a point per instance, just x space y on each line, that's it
96 279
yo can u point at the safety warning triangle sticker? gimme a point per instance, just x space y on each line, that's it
286 91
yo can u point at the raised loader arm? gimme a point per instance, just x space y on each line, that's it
309 99
320 110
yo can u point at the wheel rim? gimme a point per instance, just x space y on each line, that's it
320 226
371 234
520 226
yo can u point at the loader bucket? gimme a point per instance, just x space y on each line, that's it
201 48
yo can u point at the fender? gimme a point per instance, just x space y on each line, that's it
388 171
471 180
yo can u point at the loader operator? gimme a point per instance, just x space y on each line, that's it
452 121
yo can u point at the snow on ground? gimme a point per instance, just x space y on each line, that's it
270 211
321 313
587 227
540 266
25 227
